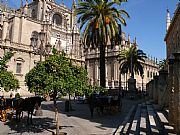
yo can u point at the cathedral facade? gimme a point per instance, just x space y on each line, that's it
32 30
113 78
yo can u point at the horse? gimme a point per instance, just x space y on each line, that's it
27 104
104 102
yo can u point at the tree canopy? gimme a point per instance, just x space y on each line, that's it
100 22
131 60
7 79
57 74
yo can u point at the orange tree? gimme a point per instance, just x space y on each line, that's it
58 76
7 79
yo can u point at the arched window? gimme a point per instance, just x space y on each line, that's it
151 75
10 33
57 19
148 74
0 31
34 14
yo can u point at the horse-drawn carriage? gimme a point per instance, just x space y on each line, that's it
11 106
6 108
110 102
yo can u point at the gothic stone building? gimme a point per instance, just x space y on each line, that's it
112 66
21 31
172 40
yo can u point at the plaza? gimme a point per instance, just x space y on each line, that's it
58 53
79 122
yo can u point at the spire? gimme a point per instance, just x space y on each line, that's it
74 4
129 40
26 3
21 7
168 20
73 23
62 2
26 8
135 42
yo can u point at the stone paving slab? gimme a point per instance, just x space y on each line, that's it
135 123
125 124
162 118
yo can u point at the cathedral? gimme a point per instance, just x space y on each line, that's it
113 78
33 29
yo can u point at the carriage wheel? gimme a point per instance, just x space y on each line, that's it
3 116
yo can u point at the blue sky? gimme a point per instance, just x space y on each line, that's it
147 23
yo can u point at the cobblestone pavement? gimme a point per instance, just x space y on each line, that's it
76 122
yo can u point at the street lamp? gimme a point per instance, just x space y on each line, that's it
48 48
41 50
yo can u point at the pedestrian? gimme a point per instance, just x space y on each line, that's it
11 96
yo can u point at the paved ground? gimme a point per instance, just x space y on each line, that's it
76 122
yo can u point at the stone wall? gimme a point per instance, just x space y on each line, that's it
157 89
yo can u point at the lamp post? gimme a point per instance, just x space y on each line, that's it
142 83
41 50
120 80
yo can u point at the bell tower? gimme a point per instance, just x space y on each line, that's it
168 20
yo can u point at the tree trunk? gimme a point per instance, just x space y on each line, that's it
120 91
102 66
70 106
56 112
126 82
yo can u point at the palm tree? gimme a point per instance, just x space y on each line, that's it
131 61
100 22
163 64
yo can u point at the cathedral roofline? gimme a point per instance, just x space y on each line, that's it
177 12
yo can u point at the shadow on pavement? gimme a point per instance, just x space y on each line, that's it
82 111
39 125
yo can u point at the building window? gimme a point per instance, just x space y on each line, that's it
0 31
57 19
18 68
148 74
19 63
151 74
34 14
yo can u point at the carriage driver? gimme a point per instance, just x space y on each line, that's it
2 101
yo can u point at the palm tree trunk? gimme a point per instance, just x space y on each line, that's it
102 66
126 82
70 105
